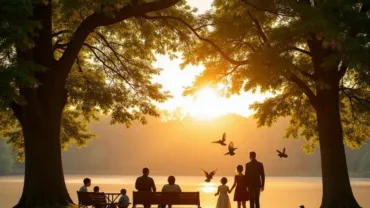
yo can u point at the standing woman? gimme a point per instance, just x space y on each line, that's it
241 193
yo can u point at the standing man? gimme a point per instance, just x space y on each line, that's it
145 183
255 177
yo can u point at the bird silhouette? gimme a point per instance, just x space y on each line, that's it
209 176
231 149
301 206
282 154
221 141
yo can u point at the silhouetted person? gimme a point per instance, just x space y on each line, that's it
255 177
241 194
124 201
145 183
96 189
171 187
87 183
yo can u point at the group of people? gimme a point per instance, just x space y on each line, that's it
123 202
247 186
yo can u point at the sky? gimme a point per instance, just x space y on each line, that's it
207 103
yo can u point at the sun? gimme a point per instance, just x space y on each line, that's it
206 104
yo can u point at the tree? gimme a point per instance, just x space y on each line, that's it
65 61
312 55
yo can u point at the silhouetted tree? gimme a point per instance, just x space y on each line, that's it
64 61
313 56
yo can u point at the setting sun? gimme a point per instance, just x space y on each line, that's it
207 104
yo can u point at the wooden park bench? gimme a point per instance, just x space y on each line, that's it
86 199
167 198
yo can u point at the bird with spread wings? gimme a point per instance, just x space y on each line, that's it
209 176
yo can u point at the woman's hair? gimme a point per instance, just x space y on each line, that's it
239 169
223 180
96 189
171 180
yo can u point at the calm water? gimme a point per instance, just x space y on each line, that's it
280 192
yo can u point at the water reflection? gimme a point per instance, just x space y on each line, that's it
208 187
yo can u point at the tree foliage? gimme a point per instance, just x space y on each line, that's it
110 74
267 45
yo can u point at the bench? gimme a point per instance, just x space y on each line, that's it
97 200
164 198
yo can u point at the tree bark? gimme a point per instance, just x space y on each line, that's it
44 183
337 191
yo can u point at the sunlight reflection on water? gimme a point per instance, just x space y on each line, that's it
208 187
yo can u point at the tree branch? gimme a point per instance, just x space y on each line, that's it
343 69
17 109
60 32
299 50
307 91
259 29
92 49
100 19
223 54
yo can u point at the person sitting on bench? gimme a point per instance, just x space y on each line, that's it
124 201
171 187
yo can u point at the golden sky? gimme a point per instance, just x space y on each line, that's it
207 103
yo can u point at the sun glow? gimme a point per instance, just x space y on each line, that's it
207 103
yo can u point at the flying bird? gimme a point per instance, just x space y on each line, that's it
209 176
301 206
221 141
282 154
231 149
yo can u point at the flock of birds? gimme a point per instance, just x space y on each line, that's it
231 152
232 148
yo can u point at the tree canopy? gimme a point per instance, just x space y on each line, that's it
111 73
264 45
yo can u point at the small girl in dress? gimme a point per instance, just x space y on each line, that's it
223 198
241 193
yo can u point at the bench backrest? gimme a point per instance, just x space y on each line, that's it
175 198
90 198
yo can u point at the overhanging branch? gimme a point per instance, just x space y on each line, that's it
307 91
100 19
223 54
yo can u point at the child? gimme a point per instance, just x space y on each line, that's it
124 201
241 193
87 183
96 189
223 190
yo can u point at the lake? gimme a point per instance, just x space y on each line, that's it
280 192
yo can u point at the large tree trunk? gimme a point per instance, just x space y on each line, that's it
40 118
337 191
41 121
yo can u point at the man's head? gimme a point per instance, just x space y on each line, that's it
123 191
171 180
146 171
252 155
87 182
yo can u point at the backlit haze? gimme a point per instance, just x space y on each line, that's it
207 103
